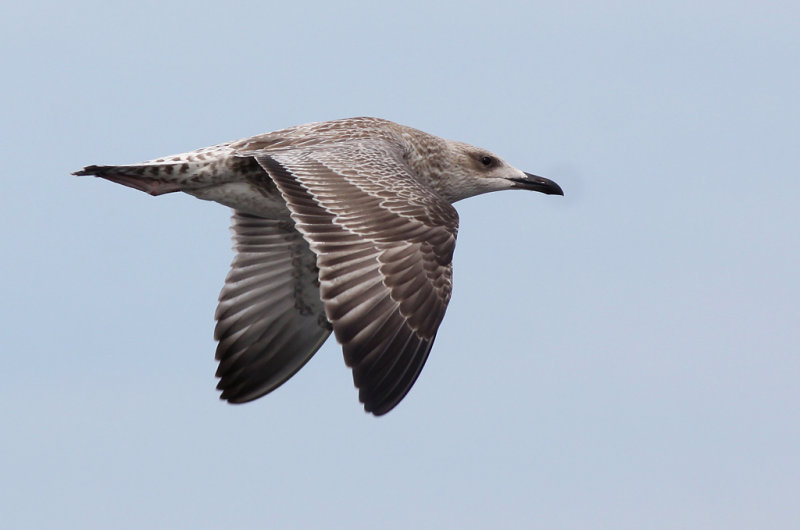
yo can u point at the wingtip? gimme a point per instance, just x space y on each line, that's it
378 412
382 405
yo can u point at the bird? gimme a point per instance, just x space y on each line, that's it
343 226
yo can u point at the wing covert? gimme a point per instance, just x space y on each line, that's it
384 245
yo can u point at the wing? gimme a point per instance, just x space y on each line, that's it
384 246
270 319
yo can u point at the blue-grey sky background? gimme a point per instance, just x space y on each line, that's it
624 357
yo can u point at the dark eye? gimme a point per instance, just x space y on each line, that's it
487 161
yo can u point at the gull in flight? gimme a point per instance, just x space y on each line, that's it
344 226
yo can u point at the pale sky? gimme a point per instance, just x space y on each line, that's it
624 357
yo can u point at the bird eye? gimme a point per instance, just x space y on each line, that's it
487 161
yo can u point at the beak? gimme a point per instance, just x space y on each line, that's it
535 183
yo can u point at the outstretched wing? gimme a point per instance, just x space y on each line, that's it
384 245
270 319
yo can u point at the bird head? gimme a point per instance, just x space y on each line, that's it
473 171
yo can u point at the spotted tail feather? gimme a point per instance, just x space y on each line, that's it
155 179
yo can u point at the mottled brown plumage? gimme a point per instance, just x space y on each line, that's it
344 226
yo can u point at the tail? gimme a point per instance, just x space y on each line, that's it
97 171
155 179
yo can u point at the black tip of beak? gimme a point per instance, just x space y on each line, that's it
537 183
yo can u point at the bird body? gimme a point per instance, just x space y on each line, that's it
343 226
